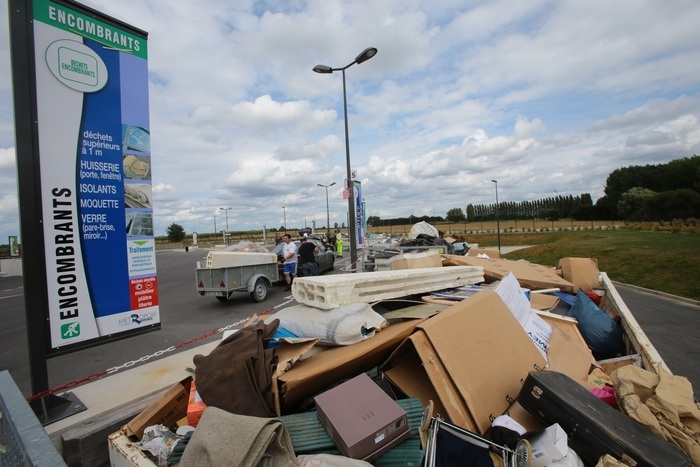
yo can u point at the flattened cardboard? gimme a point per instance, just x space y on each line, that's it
529 275
311 375
484 251
167 410
565 324
363 421
416 369
568 356
476 358
544 302
582 272
424 259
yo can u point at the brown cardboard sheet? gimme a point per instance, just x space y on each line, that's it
475 354
311 375
529 275
582 272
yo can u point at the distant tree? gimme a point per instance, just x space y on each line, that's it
471 213
455 215
676 204
373 220
633 202
550 215
175 232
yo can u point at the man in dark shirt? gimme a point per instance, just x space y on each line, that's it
307 258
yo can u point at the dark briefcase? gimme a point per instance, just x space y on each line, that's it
593 427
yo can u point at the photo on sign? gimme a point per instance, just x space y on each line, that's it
139 224
138 195
136 138
137 167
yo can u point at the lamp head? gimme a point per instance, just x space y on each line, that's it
366 55
332 184
323 69
494 181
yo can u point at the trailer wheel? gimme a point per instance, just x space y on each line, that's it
259 293
224 299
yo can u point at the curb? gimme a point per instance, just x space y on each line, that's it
690 301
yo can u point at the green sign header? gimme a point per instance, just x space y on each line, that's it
70 20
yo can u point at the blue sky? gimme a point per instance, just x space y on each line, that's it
546 97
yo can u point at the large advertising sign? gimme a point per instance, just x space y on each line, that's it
95 173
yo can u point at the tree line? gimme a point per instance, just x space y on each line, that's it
661 192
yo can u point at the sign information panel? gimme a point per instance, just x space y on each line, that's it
94 147
359 226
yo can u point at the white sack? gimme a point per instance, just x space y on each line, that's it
423 228
344 325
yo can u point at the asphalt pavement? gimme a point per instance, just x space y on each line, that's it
189 320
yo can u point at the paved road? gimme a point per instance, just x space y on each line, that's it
672 326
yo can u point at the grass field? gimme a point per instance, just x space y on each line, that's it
667 262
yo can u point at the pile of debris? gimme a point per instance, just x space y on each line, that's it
442 360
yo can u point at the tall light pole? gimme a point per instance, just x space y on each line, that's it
284 210
226 210
498 220
363 57
328 213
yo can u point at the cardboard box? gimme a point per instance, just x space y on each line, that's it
469 359
363 421
310 375
167 410
195 406
582 272
529 275
548 445
424 259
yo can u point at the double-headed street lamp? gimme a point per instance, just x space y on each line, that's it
363 57
328 213
498 220
284 210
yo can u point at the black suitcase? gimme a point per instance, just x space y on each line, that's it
594 428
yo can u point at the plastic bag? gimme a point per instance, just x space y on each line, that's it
602 334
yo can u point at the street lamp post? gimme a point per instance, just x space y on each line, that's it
363 57
498 220
284 210
226 210
328 213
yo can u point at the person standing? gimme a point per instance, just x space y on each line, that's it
289 252
307 258
278 238
339 243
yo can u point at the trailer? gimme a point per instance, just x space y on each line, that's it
226 272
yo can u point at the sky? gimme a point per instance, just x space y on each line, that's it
546 97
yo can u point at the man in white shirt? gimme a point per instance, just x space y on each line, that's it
289 252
